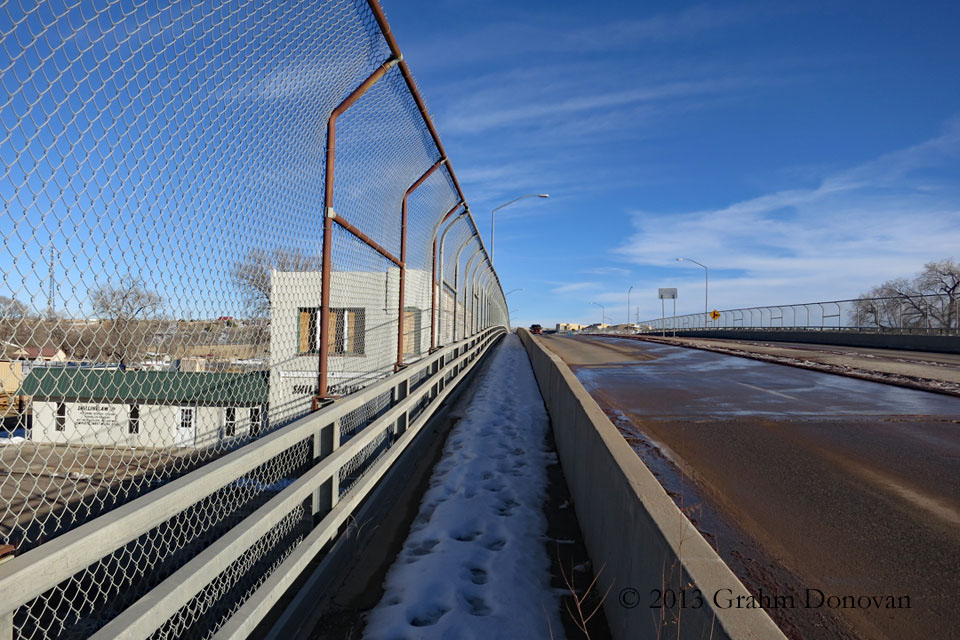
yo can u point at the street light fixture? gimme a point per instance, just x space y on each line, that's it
512 290
505 204
706 287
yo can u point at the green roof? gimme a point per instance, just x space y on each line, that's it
158 387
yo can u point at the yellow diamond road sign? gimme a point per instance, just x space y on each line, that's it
714 314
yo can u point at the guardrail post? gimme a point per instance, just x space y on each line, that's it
399 393
442 382
435 367
325 441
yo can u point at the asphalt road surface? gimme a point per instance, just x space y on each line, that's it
801 479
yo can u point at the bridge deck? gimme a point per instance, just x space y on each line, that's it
801 479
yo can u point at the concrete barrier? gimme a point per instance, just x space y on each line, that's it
644 547
905 342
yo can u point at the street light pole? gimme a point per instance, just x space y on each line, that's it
706 287
628 303
603 312
512 290
506 204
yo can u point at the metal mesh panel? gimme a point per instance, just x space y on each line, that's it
162 179
453 240
383 146
935 314
356 420
425 207
158 162
209 609
354 469
364 297
460 232
93 597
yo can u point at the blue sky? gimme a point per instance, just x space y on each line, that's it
803 151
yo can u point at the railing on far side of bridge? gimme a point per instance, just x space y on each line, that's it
232 240
934 314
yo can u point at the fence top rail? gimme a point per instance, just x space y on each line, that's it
44 567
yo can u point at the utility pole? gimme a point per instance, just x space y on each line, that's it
51 306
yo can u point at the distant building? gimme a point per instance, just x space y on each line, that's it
11 374
40 354
569 326
144 408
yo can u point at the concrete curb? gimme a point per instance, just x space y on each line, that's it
638 539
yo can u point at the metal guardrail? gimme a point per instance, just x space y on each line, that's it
173 607
929 314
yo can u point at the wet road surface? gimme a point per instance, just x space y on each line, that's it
802 480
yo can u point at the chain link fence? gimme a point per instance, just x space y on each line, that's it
919 314
217 217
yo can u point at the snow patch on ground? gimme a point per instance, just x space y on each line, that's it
475 564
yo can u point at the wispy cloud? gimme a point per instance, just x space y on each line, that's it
532 33
667 27
607 271
537 110
858 227
574 286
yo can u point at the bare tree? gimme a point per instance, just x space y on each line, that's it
128 318
252 273
929 300
12 309
19 325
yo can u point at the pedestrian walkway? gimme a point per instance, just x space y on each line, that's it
475 563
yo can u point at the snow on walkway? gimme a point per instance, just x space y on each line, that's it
475 563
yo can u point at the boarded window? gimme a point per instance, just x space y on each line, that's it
61 421
230 421
256 416
133 421
347 333
308 330
351 331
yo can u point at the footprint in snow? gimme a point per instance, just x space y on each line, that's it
496 545
477 606
427 616
478 575
506 507
465 536
424 547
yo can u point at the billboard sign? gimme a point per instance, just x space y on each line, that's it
668 294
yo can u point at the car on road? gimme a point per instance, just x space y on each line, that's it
535 328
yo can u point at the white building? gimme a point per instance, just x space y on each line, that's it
364 308
113 407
